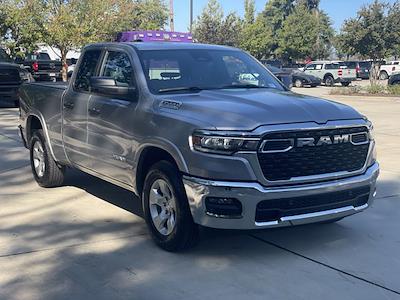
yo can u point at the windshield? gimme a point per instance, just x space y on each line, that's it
4 56
192 70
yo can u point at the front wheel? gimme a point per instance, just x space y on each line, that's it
46 171
166 208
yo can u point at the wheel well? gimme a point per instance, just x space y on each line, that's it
148 158
383 72
33 124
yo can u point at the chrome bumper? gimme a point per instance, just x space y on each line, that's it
250 194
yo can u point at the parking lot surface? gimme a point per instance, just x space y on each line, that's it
87 240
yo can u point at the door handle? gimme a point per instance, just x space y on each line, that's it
69 105
94 111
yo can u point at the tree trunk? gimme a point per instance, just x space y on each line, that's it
64 71
374 72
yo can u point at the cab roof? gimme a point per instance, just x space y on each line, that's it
163 46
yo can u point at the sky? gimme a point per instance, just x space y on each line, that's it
338 10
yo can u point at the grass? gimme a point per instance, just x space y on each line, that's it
375 89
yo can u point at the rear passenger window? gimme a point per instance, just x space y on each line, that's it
86 70
118 67
164 69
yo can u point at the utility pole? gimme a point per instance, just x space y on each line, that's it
191 15
171 15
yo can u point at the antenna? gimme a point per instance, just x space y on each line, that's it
171 15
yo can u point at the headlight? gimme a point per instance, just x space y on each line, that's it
373 155
222 144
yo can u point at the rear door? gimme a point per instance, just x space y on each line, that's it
110 121
75 109
315 70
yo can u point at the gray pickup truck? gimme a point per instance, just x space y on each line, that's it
204 135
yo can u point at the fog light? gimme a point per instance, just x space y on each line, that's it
223 207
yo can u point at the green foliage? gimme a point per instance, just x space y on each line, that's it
257 38
375 89
273 15
249 11
149 14
305 34
70 24
374 33
394 89
212 27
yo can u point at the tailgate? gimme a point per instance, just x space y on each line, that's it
347 73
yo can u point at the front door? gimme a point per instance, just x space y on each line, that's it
75 110
110 121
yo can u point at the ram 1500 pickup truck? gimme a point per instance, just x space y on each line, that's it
204 135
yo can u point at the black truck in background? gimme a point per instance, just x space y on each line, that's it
11 78
42 67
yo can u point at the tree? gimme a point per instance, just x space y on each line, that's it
273 15
70 24
257 38
298 35
213 28
371 34
304 34
249 11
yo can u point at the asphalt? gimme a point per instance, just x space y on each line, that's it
87 240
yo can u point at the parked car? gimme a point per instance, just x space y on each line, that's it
363 68
177 125
42 67
11 77
272 62
388 69
301 79
284 76
394 79
331 72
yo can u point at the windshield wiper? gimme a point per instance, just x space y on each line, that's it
182 88
243 86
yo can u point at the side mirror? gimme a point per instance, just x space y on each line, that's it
108 86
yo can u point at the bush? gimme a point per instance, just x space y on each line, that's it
394 89
376 89
351 90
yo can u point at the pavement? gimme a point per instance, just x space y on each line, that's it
87 240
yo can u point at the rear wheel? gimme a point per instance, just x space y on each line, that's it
46 171
298 83
329 81
383 75
166 208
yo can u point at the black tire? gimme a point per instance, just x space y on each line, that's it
298 83
345 83
53 174
329 80
383 75
185 232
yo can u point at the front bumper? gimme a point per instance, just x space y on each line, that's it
250 194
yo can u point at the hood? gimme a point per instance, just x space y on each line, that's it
248 109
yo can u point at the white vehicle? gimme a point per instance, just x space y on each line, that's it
388 69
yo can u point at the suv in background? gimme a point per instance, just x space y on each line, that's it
42 67
388 69
362 68
331 72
